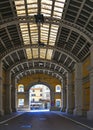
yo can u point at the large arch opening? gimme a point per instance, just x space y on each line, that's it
26 99
39 97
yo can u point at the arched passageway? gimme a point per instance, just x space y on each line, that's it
39 97
62 46
35 94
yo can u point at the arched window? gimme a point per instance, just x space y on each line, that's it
20 102
58 88
20 88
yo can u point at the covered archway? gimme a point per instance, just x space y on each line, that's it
45 80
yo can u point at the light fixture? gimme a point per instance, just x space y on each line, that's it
39 18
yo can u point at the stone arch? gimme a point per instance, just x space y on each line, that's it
52 91
48 82
40 82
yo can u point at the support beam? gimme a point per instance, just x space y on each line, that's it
60 50
25 19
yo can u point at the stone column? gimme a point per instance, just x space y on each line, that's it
8 86
1 91
27 100
90 112
78 90
52 94
69 108
14 95
63 109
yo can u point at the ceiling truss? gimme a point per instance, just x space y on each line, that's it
67 33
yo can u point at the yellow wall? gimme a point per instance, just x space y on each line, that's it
57 95
86 96
49 80
86 64
43 78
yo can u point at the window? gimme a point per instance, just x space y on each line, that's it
33 100
20 88
40 94
33 95
20 102
58 88
58 102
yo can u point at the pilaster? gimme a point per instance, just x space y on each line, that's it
63 109
52 106
78 90
69 108
14 95
90 112
8 86
1 91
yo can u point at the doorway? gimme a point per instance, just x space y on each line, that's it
39 97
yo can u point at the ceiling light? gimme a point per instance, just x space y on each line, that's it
39 18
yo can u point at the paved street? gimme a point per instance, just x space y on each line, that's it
40 121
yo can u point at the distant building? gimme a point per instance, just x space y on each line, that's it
39 97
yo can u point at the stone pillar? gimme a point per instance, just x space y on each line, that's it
69 108
1 91
90 112
27 100
14 95
78 90
8 86
63 109
52 94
